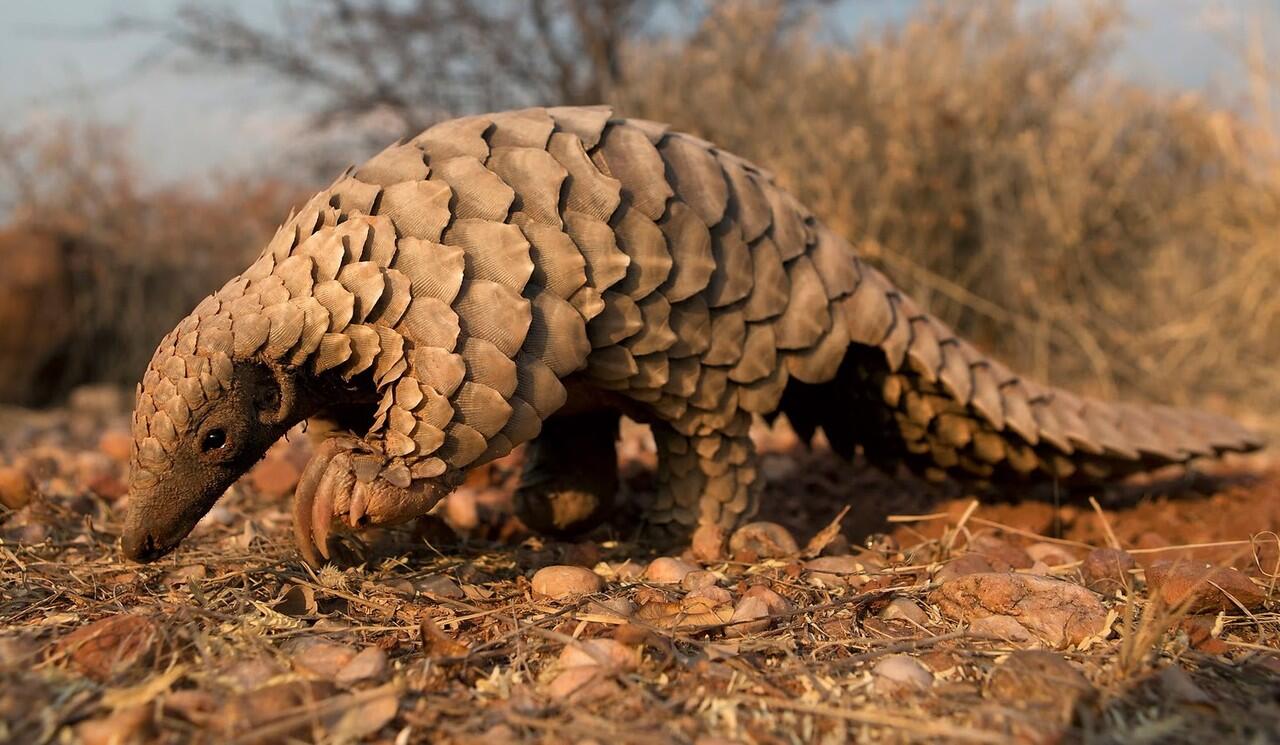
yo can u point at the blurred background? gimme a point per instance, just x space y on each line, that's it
1089 190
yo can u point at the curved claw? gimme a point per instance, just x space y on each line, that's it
322 509
359 503
304 498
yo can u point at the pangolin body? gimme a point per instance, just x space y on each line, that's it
525 276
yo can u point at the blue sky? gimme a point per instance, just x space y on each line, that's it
57 63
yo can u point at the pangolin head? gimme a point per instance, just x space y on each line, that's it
201 420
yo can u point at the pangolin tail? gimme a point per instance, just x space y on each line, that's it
917 394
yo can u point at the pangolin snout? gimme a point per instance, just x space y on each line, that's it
141 546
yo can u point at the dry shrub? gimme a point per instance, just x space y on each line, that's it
1088 231
98 267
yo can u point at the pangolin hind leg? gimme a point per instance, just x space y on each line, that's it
570 475
707 482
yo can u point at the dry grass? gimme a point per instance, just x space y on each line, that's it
99 266
227 650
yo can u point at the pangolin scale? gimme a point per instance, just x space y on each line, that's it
528 276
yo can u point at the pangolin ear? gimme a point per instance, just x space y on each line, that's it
275 395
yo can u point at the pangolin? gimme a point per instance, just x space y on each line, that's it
527 277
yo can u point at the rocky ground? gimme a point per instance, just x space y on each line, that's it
1149 614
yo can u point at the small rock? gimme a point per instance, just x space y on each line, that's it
698 579
708 542
961 566
1177 686
777 604
367 718
274 476
124 727
252 672
321 658
1001 554
1106 570
17 488
619 606
1039 679
904 609
565 581
259 706
1202 587
899 673
751 616
667 570
116 444
1058 612
836 571
438 585
767 540
1005 628
626 570
582 685
111 645
609 654
1050 553
461 510
369 664
714 595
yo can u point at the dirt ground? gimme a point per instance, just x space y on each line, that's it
919 614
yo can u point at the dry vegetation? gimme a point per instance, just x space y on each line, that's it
954 623
98 267
1098 235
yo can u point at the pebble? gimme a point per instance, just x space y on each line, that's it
1050 553
582 685
1001 554
899 673
750 616
275 476
369 664
321 658
961 566
712 594
439 585
776 603
1200 587
609 654
1059 613
1106 570
17 488
116 445
905 609
1005 628
698 579
564 581
765 539
667 570
110 645
836 571
1038 678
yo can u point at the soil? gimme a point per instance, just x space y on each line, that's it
923 614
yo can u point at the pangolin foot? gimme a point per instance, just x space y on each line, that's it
342 481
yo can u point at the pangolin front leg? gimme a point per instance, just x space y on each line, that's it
346 482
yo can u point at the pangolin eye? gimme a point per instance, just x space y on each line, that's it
213 439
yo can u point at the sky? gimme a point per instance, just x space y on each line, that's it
57 61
